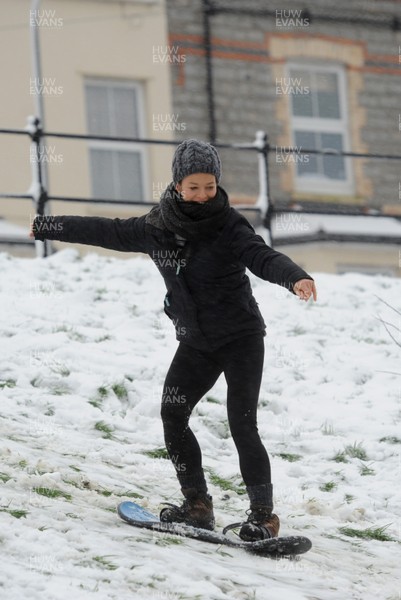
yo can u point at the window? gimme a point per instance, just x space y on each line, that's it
117 168
319 121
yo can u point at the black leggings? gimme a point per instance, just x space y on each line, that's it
192 373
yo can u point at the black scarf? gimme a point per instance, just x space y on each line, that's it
189 219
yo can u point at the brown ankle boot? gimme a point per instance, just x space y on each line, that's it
196 510
261 525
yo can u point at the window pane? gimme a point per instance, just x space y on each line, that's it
299 86
129 169
333 166
307 164
125 112
326 89
97 110
101 162
116 175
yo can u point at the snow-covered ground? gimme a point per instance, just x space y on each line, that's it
85 347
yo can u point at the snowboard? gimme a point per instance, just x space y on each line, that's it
136 515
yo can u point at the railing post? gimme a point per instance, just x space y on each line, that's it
264 203
37 189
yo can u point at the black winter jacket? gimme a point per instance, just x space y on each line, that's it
209 296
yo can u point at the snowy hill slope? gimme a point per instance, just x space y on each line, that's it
85 346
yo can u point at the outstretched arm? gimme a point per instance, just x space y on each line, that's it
267 263
125 235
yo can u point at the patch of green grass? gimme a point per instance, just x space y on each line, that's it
70 331
76 336
52 493
328 487
157 453
327 428
106 430
96 402
23 463
129 495
297 330
340 457
106 564
288 456
120 391
102 391
368 534
17 513
390 439
212 400
366 470
356 451
226 484
349 498
59 390
353 451
9 383
103 338
4 477
61 370
74 468
168 541
73 483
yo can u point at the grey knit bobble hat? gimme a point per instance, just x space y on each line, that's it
194 156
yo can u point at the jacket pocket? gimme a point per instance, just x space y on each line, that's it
167 304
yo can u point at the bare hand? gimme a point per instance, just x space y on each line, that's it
304 288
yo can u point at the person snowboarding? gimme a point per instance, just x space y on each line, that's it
202 246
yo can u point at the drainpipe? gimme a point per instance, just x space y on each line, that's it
39 170
207 12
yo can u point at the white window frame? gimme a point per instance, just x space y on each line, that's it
324 184
123 146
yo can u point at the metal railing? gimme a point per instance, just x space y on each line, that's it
261 146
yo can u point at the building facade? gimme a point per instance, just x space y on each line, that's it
103 74
314 76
